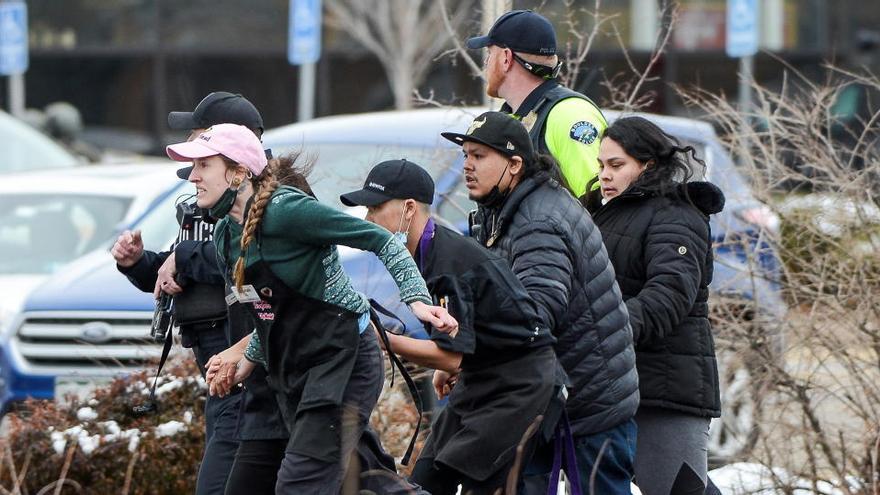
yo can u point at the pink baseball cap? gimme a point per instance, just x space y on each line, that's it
236 142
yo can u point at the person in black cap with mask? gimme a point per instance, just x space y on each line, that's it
521 68
501 358
557 253
189 268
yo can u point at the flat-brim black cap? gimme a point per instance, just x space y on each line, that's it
498 131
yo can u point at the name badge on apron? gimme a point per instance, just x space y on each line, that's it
247 294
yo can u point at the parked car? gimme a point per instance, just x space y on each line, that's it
25 148
49 219
346 147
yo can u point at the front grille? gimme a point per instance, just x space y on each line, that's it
84 342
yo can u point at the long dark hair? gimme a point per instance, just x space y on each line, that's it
669 164
283 171
544 164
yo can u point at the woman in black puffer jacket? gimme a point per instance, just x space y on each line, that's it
655 226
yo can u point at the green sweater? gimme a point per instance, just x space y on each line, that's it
298 237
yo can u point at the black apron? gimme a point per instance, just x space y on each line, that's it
259 417
310 348
489 411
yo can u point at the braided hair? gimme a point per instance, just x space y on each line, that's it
279 171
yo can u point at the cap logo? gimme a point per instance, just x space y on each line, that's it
376 186
203 137
475 125
510 146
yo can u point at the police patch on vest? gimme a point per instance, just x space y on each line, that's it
584 132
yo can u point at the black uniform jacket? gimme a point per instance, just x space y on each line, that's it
509 370
497 318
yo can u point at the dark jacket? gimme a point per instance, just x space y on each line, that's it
557 253
661 250
195 262
497 319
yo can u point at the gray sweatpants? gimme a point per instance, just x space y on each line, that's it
666 441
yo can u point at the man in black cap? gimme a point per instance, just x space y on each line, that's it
521 67
191 268
500 366
557 253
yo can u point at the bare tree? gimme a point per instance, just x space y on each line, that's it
819 171
405 35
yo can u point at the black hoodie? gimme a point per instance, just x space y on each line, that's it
661 249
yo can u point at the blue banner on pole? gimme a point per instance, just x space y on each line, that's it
304 38
742 28
13 38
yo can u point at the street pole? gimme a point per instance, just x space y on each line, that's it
16 95
746 75
306 105
492 9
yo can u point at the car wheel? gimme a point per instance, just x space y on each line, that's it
733 435
745 347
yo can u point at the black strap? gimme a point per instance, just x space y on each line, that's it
381 309
531 101
150 406
395 361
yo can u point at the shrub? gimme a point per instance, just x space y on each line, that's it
97 445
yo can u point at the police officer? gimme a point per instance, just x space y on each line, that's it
501 362
522 67
192 266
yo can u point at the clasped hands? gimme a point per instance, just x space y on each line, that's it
226 370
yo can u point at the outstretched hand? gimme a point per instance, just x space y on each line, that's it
128 249
435 316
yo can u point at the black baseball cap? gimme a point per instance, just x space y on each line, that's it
499 131
393 179
520 30
219 107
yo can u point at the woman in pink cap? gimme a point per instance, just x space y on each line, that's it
312 328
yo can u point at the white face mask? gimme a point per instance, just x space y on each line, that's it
402 235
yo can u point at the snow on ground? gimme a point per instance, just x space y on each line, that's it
110 432
170 428
86 414
744 478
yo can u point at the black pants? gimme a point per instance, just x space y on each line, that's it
221 417
255 470
303 474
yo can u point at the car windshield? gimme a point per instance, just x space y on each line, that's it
24 148
341 168
40 232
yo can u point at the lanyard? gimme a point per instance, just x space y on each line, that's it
425 241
